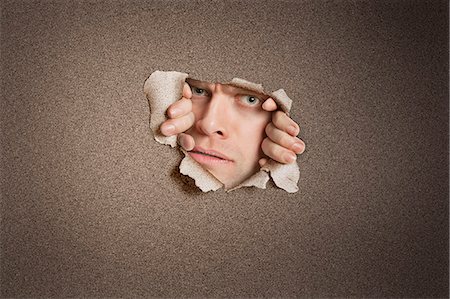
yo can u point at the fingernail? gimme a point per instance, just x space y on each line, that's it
297 147
292 130
174 112
168 130
290 157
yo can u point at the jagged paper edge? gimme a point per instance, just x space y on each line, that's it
164 88
160 97
202 178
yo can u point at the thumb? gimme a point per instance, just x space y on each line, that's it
186 141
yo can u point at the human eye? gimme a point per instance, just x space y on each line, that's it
199 91
249 100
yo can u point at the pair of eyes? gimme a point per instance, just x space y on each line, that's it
248 100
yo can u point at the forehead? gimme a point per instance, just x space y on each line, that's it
227 88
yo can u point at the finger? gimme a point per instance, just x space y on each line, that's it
262 162
284 139
269 105
186 141
187 92
285 123
177 125
277 152
179 108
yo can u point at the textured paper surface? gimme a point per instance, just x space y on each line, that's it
94 207
164 88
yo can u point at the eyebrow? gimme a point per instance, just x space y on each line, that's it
199 84
204 85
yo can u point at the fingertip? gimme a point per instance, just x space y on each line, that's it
303 149
192 119
190 144
289 157
167 129
293 130
188 104
269 129
186 141
298 148
262 162
173 112
187 92
269 105
265 146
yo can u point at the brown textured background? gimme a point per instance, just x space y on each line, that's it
93 206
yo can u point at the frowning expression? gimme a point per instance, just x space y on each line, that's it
228 130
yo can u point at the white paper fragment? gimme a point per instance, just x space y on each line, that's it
237 82
259 180
164 88
282 99
285 176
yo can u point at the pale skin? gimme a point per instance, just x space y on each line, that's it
209 118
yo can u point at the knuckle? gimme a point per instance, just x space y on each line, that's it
275 116
279 153
297 128
272 149
269 129
286 141
171 112
168 122
188 105
176 125
176 109
180 103
185 123
191 118
265 146
278 118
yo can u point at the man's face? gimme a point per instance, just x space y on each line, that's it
228 130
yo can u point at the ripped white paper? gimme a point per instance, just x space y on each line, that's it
164 88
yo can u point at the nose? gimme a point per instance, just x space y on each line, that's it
215 120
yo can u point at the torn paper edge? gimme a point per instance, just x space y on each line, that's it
203 179
164 88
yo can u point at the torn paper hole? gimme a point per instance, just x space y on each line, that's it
164 88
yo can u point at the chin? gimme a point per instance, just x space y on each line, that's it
228 186
231 179
228 181
232 182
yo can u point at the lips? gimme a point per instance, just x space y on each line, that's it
212 153
204 156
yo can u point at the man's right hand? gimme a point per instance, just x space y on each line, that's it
181 118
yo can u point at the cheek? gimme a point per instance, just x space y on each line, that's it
253 132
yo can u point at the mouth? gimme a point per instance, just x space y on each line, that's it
209 157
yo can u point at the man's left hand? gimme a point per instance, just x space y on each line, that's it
281 143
